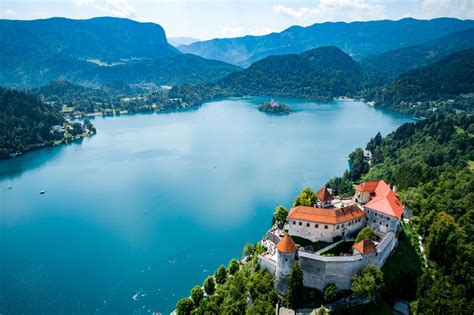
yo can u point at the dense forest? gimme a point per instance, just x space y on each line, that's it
26 123
388 65
440 88
318 74
431 164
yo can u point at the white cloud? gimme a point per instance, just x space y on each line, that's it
237 31
9 13
119 8
334 10
452 8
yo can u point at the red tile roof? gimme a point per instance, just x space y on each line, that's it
286 245
385 201
367 187
325 215
324 195
365 247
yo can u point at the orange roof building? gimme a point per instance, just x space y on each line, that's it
365 247
324 195
379 197
325 215
324 224
286 245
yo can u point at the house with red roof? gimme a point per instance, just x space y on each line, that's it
382 206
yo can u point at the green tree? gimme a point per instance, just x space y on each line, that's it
197 294
249 249
185 306
366 234
233 266
444 240
307 197
360 166
280 215
295 286
368 281
220 275
209 286
330 292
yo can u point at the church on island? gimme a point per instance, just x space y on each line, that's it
325 231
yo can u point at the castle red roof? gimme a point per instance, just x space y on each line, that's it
325 215
324 195
367 187
384 199
286 245
365 247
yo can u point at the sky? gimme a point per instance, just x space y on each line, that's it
205 19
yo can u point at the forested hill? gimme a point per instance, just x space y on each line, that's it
96 51
358 39
318 74
386 66
431 164
445 86
26 123
102 38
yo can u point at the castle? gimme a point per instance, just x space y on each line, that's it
335 221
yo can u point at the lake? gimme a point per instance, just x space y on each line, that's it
136 215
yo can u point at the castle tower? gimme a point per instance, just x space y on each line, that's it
286 257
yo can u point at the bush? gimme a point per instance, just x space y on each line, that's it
185 306
209 286
249 249
233 267
330 292
368 281
366 234
197 294
220 275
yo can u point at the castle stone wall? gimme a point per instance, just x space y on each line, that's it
320 270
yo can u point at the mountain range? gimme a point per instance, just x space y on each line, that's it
358 39
386 66
96 51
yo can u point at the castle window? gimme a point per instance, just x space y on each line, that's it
374 221
316 225
300 223
366 219
307 224
368 211
386 225
294 222
376 214
337 227
342 225
326 227
380 223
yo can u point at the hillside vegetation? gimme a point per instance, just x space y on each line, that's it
388 65
443 87
26 124
429 163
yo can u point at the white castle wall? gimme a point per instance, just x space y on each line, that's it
319 270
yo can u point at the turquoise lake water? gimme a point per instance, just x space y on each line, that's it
136 215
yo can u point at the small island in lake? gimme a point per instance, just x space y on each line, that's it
274 107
